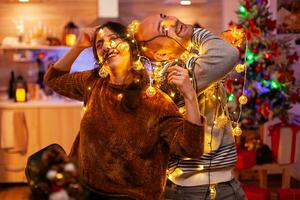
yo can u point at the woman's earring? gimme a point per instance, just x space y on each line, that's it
103 73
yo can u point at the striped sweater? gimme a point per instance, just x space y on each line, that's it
215 60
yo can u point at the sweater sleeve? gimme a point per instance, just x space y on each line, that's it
183 137
72 85
217 58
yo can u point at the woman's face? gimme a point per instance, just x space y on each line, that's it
113 50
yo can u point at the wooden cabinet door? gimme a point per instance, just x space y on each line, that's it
59 125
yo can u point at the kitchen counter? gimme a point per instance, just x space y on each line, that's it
41 103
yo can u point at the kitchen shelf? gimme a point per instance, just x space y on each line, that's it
33 47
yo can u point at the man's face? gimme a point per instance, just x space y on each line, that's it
165 37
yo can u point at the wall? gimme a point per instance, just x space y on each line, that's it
52 13
209 14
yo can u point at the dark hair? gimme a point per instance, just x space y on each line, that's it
130 98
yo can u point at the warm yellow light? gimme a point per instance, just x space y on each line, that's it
151 91
23 0
71 39
20 95
240 68
243 99
237 131
59 176
84 108
185 3
120 96
172 94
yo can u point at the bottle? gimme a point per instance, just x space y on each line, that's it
11 86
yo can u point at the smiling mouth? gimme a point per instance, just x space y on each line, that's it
112 53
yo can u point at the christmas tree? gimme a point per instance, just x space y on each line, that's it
269 82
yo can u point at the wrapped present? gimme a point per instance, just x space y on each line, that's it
291 194
246 159
256 193
285 140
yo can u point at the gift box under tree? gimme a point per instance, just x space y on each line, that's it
285 140
256 193
290 194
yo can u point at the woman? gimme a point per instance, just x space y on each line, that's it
126 136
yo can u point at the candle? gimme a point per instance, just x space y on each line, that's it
70 39
20 95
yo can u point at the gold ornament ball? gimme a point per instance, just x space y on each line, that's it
103 73
240 68
243 99
237 131
135 23
221 121
124 46
184 56
138 65
151 91
113 44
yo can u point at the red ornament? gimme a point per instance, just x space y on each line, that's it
258 101
258 68
270 24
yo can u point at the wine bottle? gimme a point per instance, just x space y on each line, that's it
11 86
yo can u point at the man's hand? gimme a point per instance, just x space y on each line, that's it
180 77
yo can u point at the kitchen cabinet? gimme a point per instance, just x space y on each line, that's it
47 123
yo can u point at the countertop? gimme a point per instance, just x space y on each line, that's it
41 103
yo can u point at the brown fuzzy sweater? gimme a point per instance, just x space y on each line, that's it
125 152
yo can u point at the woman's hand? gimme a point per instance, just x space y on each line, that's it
180 77
85 38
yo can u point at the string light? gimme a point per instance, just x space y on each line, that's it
124 46
151 91
138 65
237 131
240 68
120 96
221 121
103 72
243 99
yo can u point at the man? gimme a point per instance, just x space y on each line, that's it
165 38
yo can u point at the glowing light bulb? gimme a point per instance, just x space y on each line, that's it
103 72
221 121
151 91
237 131
240 68
120 96
113 44
138 65
84 108
59 176
184 56
243 99
101 32
124 46
182 110
172 94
